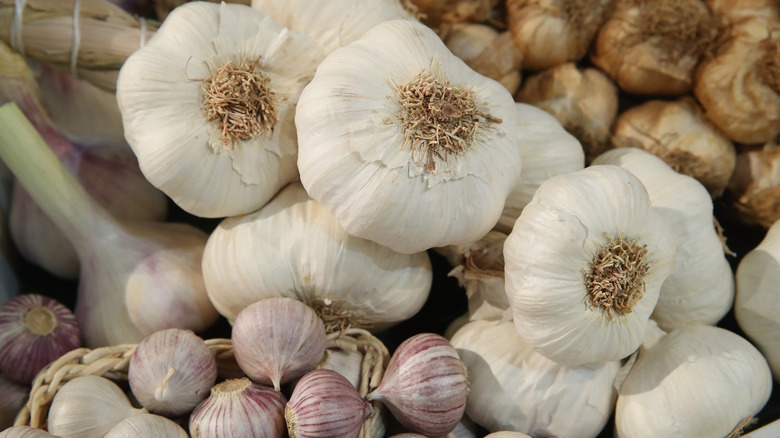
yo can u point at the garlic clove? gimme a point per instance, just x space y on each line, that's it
324 404
13 396
276 340
425 385
24 432
346 362
34 330
171 371
238 408
146 426
88 407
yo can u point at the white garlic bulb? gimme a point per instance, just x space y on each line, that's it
24 432
584 265
208 105
146 426
404 143
293 247
700 288
514 388
698 381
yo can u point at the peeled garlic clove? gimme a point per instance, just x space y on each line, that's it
276 340
88 407
171 371
238 408
425 385
13 396
697 381
754 187
146 426
24 432
324 404
488 52
34 330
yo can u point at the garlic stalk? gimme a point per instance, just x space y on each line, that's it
135 278
145 426
13 396
754 188
488 52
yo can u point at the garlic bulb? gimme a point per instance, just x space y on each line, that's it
239 408
425 385
24 432
332 23
324 404
754 188
171 371
208 104
756 307
506 434
551 32
739 86
145 426
585 102
442 14
681 135
488 52
368 125
345 362
737 10
700 288
697 381
13 396
584 265
277 340
34 330
652 47
515 388
87 407
308 256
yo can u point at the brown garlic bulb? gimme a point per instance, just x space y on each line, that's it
754 188
651 47
584 101
488 52
737 10
739 86
441 14
551 32
678 133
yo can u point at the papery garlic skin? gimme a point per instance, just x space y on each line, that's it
700 288
680 134
513 388
697 381
754 187
146 426
481 274
488 52
24 432
737 10
576 222
360 159
756 307
295 248
204 170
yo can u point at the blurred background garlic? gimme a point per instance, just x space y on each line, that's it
552 32
488 52
441 15
13 396
652 47
514 388
679 133
208 106
700 288
754 188
737 10
583 100
739 85
396 158
293 247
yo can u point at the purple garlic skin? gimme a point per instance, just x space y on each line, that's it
238 408
325 405
425 385
276 340
13 396
34 330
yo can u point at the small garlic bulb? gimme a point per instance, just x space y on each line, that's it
238 408
146 426
754 188
584 265
324 404
680 134
442 14
276 340
34 330
488 52
171 371
583 100
88 407
697 381
552 32
515 388
24 432
425 385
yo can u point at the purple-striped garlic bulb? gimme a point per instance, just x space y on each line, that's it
324 404
238 408
276 340
171 371
34 330
425 385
